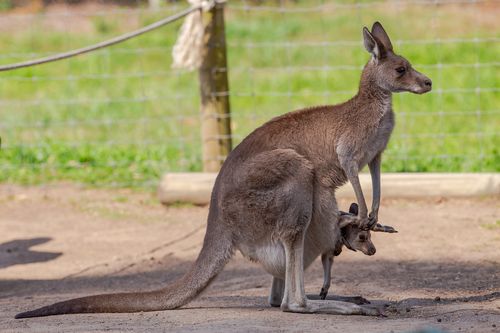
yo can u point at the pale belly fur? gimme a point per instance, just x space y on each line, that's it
272 257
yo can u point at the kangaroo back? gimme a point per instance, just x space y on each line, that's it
216 251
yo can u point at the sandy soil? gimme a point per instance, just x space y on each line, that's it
441 270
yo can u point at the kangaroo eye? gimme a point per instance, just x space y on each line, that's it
362 238
401 70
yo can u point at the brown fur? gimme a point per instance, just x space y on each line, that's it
274 197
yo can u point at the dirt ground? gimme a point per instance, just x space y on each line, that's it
441 270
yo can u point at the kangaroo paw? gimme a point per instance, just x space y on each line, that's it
323 293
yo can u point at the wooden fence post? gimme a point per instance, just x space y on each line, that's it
214 89
154 4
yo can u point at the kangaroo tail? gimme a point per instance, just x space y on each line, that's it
216 251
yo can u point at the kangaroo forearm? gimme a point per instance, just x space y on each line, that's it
327 261
351 170
363 209
374 166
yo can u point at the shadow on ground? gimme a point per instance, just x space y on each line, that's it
245 285
17 252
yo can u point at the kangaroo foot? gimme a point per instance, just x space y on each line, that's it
323 293
331 307
359 300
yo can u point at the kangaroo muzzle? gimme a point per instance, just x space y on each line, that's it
423 84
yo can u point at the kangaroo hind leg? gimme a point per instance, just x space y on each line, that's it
294 299
327 261
296 215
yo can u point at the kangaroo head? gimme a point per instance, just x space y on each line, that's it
387 70
356 239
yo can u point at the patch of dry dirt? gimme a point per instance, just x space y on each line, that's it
441 270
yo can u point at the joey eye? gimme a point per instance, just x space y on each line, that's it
401 70
362 238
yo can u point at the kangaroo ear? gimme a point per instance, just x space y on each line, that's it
384 228
345 220
372 45
353 209
380 34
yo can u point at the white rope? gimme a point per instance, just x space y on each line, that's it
188 50
113 41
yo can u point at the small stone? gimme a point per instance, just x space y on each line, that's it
407 309
437 299
439 320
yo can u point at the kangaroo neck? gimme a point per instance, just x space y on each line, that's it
371 95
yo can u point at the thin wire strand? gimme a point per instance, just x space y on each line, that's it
335 6
252 94
294 69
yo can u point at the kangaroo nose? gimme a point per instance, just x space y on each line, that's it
428 83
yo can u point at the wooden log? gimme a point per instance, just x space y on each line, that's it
186 187
196 187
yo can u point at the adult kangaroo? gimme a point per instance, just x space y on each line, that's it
273 199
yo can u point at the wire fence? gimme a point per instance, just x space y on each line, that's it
121 116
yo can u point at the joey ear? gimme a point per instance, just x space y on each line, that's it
379 32
345 220
353 209
383 228
371 44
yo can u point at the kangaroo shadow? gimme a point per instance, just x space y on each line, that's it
492 296
17 252
246 285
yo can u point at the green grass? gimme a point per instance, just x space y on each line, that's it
5 5
122 117
492 226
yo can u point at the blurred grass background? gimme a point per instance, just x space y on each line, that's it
122 117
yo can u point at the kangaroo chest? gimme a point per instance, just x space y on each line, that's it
378 138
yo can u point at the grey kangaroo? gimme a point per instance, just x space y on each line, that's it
355 239
274 197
